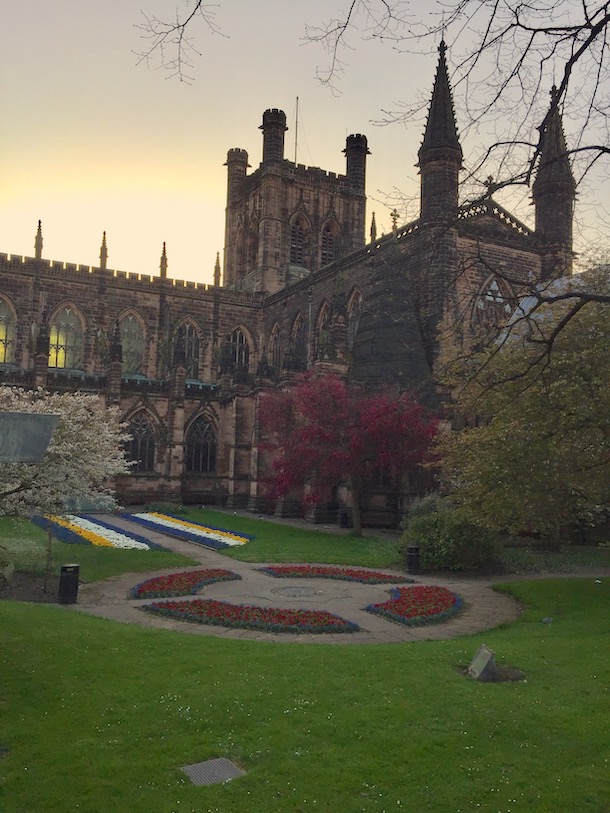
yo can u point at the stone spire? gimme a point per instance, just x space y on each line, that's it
217 270
38 242
103 253
163 263
440 155
554 192
373 229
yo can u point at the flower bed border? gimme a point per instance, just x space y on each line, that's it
387 609
339 573
71 537
175 609
213 576
183 533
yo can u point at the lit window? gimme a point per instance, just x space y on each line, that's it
7 333
66 340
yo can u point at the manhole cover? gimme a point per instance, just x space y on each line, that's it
297 592
212 771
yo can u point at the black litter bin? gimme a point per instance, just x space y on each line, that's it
68 584
413 559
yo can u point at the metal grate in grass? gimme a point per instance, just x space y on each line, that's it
212 771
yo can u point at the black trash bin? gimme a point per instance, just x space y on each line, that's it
68 584
413 559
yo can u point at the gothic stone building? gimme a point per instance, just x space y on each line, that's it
188 363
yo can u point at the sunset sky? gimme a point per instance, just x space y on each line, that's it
91 141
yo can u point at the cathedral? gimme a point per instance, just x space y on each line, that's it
300 288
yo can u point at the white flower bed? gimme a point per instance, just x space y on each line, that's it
192 528
114 538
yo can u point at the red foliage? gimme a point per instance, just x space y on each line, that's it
325 432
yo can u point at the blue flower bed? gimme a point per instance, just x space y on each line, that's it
59 532
184 533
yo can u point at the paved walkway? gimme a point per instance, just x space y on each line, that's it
483 607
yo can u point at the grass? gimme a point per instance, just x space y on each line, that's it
335 729
26 545
275 542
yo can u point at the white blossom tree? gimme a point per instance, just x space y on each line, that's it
85 454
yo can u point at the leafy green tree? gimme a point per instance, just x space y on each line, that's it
538 457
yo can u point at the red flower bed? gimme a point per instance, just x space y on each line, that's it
418 605
349 574
181 584
222 614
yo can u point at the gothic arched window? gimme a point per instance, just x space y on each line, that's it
354 312
492 307
240 349
190 337
141 447
328 245
323 337
298 344
7 333
66 340
297 243
201 447
275 350
132 341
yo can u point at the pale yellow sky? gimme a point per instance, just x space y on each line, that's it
90 141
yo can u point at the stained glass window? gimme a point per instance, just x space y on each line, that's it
7 333
66 340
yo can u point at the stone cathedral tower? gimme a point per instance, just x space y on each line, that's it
285 220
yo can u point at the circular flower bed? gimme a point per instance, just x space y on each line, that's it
418 605
220 613
350 574
181 584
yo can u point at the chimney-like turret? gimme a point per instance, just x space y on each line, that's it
237 165
273 127
356 150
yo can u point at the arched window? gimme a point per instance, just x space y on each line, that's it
328 246
323 336
7 333
298 344
275 350
190 338
132 341
252 248
66 340
354 313
141 447
492 308
201 447
240 349
297 243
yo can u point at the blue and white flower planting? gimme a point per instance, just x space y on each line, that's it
192 531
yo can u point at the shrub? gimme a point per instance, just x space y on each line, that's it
161 507
447 541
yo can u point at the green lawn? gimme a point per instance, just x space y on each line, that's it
98 716
26 545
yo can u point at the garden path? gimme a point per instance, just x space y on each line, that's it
483 608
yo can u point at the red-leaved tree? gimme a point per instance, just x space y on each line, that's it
325 433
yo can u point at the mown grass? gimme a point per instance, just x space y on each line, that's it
98 716
275 542
26 546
